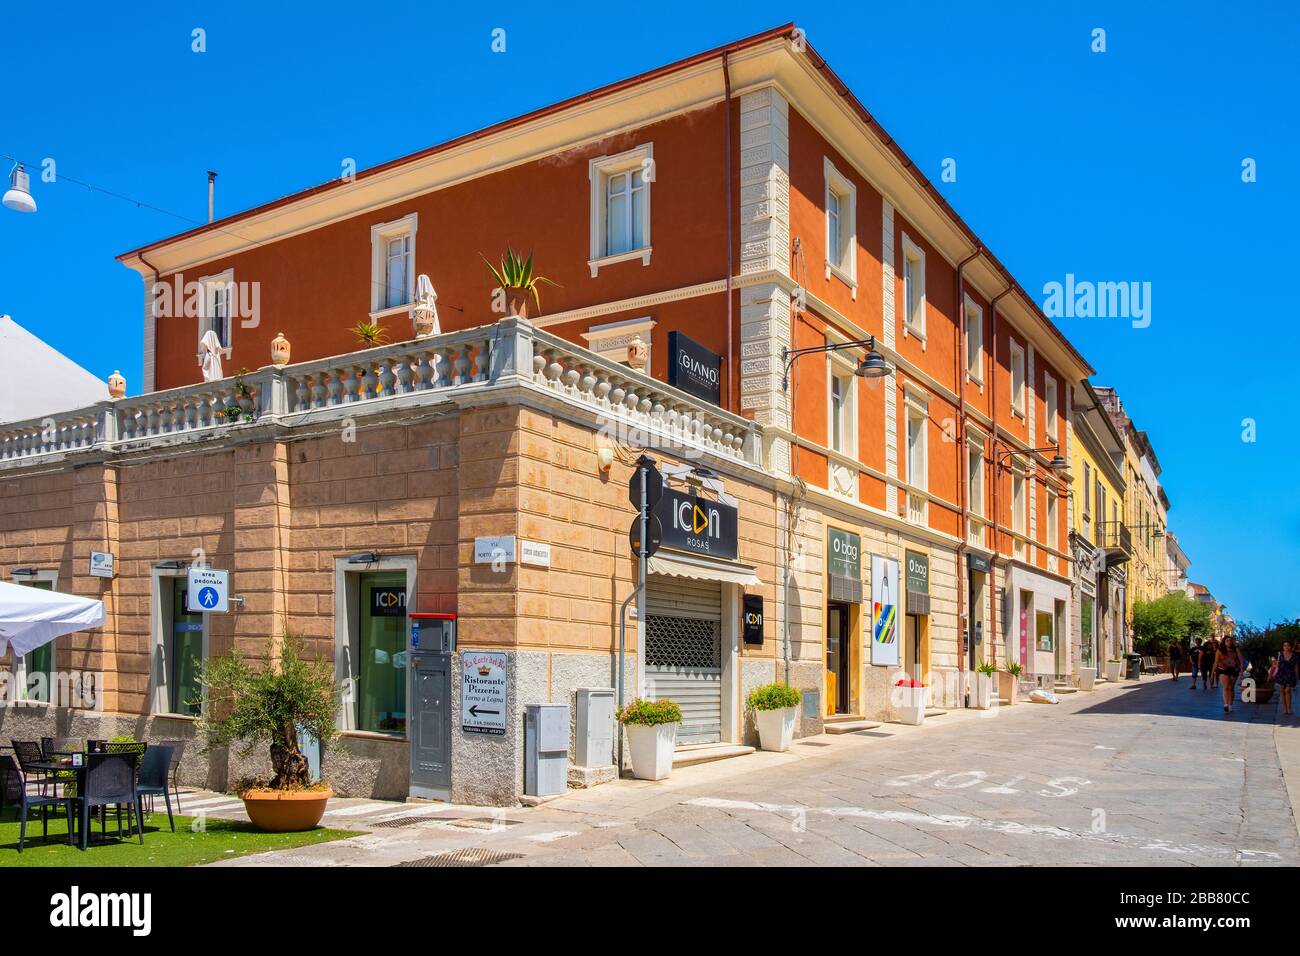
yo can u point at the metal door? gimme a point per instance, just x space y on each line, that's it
433 645
683 647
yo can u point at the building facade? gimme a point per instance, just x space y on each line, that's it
729 235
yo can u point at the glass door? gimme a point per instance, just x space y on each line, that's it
184 655
381 671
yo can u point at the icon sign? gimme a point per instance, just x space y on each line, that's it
207 591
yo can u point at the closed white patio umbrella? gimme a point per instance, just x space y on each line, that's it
31 617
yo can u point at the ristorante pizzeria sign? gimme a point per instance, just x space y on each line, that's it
698 525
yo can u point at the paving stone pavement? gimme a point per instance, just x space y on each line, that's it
1147 773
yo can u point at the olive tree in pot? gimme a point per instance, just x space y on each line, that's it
267 702
775 707
651 727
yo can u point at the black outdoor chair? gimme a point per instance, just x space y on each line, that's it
26 753
153 778
110 781
174 771
11 781
54 746
28 799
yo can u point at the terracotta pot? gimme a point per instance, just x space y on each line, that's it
518 301
287 811
116 385
279 350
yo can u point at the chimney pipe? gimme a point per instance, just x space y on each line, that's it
212 186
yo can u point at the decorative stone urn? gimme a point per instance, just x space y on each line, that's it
116 385
637 353
279 350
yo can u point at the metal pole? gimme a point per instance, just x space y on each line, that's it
643 518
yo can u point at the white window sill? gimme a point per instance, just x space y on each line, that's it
912 330
170 716
1018 413
373 735
833 270
643 254
390 312
976 379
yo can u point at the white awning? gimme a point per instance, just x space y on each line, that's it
30 617
702 569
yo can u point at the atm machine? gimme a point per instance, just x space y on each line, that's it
428 696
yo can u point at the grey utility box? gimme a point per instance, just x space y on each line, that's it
546 749
594 743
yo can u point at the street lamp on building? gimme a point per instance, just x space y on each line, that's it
19 195
871 365
1058 464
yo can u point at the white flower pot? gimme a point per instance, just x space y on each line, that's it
983 691
651 749
1087 677
1112 670
912 704
776 728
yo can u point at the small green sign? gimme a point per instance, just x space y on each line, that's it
918 572
844 555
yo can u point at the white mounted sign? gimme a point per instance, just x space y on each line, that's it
207 591
484 692
496 548
534 552
884 610
101 564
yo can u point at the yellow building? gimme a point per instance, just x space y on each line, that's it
1100 540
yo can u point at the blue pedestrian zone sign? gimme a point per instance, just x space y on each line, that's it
207 591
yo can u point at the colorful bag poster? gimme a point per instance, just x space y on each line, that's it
884 611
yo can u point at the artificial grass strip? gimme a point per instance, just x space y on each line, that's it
218 840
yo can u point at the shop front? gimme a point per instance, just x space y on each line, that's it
916 635
843 621
1040 614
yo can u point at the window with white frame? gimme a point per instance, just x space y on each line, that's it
917 470
841 226
1052 532
974 341
218 296
913 288
620 206
841 426
392 264
33 673
975 477
1017 380
1049 400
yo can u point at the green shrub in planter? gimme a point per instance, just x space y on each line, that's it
1013 668
773 697
651 713
987 668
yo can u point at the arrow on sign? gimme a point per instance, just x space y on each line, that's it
475 711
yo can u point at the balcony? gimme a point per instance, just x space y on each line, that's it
1114 538
477 366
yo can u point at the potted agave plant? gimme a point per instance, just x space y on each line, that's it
986 674
1009 682
267 702
911 698
651 727
516 281
775 707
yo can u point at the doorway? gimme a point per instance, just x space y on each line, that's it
914 649
839 672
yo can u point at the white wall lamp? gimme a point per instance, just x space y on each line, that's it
605 458
19 195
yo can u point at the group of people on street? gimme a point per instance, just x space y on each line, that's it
1221 662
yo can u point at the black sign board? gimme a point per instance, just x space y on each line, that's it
654 487
752 622
654 534
388 602
698 525
977 562
694 369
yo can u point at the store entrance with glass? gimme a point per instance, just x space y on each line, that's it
839 675
183 654
380 674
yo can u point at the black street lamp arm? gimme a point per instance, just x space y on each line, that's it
789 356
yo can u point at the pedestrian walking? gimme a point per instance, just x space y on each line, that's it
1209 653
1284 673
1228 665
1175 658
1194 661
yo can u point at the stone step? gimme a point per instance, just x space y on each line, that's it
935 712
849 726
1064 689
840 718
705 753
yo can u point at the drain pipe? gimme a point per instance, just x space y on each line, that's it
997 482
726 170
963 479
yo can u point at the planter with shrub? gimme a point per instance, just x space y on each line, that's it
1113 669
267 702
986 675
775 708
911 698
1087 677
651 727
1009 682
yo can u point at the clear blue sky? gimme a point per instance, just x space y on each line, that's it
1117 166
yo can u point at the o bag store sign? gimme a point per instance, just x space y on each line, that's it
693 368
698 525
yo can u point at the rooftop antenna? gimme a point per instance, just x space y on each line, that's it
212 188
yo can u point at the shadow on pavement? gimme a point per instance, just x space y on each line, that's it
1161 696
